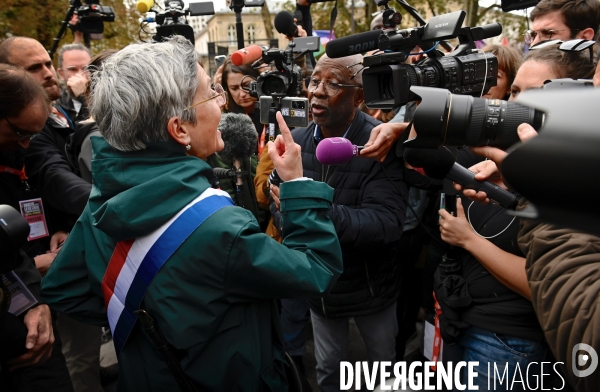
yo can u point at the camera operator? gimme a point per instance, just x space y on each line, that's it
23 111
564 20
72 62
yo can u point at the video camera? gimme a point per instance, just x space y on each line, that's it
387 81
91 16
171 20
279 90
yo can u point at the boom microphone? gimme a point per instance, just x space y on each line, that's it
353 44
239 136
246 55
284 24
336 150
442 164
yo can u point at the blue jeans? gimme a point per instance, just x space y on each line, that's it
501 351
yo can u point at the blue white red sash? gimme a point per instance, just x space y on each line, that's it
135 263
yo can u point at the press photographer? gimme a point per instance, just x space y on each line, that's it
31 356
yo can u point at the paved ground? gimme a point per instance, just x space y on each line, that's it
356 352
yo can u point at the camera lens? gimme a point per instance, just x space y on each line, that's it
459 120
274 84
488 122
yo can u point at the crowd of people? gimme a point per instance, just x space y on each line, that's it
110 158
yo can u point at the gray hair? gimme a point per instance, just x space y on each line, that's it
138 89
69 47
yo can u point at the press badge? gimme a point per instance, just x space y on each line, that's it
33 212
21 299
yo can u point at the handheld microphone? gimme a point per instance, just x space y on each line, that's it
144 6
240 138
336 150
353 44
284 24
442 164
246 55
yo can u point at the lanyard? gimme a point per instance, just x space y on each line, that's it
62 111
10 170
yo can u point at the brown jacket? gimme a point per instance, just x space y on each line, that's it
261 185
563 269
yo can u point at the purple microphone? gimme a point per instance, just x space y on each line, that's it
336 150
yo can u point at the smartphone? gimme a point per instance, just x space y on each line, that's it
219 60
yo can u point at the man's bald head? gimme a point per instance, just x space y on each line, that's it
377 22
13 43
351 65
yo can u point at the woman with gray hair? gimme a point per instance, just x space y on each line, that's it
156 241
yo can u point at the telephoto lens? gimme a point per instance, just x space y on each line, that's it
443 118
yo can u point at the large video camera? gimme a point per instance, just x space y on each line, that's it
91 16
387 81
279 89
171 20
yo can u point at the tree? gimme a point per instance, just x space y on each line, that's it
266 17
42 20
514 25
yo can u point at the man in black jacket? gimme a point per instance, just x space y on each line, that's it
63 192
47 165
39 364
368 213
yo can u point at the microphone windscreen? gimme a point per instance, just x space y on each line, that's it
435 163
335 151
284 24
239 136
246 55
353 44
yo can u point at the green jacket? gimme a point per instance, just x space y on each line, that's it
213 299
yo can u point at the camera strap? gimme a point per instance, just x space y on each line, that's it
136 262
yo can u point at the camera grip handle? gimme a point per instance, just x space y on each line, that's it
466 179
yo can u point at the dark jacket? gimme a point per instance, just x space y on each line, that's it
368 214
66 102
50 172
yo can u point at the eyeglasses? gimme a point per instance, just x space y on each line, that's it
76 69
23 134
220 96
574 45
330 88
545 34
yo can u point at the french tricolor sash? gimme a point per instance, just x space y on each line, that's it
135 263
